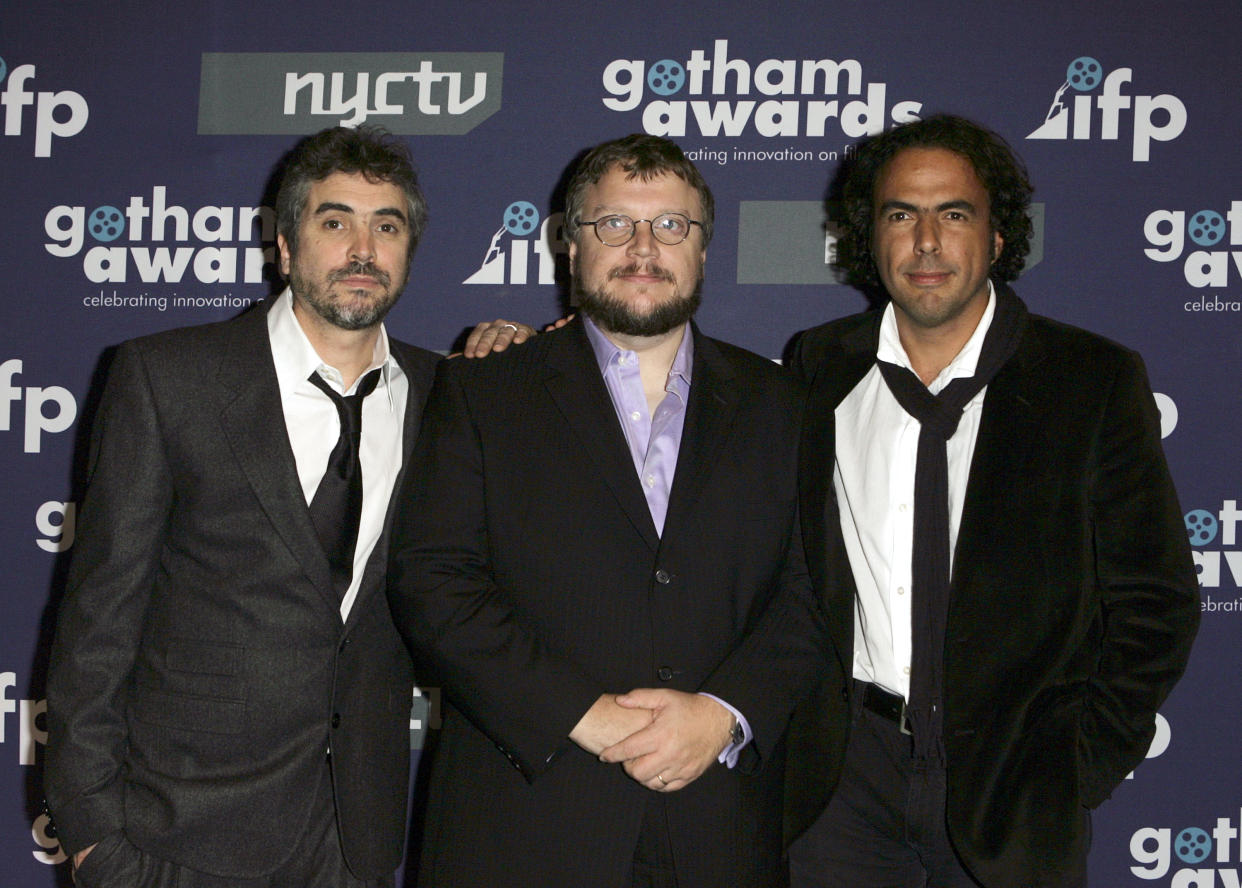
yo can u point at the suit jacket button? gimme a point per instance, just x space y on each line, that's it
663 577
344 644
336 719
665 674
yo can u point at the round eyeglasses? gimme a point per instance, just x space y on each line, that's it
617 230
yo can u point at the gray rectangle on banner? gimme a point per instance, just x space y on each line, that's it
295 93
783 242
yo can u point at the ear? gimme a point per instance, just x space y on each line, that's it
998 246
573 255
286 257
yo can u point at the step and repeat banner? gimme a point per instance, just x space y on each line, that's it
139 145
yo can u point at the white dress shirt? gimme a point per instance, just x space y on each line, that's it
314 426
877 448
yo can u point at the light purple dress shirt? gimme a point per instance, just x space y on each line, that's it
654 440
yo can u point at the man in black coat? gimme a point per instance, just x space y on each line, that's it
993 482
611 506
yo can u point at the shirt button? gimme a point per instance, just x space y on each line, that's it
901 590
901 508
636 416
651 480
906 670
665 674
663 577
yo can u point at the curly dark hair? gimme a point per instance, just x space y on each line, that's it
643 157
370 150
1000 170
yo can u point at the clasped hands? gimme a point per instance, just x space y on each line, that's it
663 738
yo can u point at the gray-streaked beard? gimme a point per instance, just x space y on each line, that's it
612 314
346 313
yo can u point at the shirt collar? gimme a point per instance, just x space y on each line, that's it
964 362
296 359
606 352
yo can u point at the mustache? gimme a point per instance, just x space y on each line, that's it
355 269
639 268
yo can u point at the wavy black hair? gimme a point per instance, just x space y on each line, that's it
1000 170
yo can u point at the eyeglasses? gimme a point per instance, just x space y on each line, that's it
617 230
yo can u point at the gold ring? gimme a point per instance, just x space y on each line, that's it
660 777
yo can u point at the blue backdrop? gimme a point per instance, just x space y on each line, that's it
138 147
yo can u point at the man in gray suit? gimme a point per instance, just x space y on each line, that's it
228 701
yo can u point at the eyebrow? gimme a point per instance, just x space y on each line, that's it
960 204
331 206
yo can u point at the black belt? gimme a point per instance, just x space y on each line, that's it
882 703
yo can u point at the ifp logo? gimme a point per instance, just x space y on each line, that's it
1150 119
522 231
61 114
706 95
1168 232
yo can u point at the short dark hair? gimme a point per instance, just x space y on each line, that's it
1000 170
369 150
639 156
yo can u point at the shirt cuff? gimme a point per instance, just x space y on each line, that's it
728 756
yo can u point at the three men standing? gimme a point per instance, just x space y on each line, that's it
994 546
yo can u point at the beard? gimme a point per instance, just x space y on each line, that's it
611 313
351 310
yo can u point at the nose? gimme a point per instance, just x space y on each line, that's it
926 236
643 243
362 247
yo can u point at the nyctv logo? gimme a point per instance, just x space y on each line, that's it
408 93
58 114
1073 112
521 233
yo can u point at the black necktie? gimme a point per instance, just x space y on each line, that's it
938 416
337 505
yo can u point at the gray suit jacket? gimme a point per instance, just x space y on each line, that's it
201 668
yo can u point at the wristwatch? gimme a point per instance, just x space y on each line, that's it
737 734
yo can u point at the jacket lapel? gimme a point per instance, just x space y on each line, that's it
714 399
251 417
826 557
1013 410
574 383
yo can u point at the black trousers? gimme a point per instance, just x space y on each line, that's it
654 866
885 825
